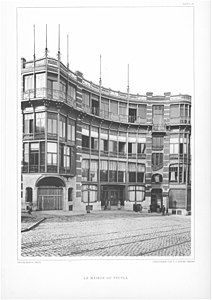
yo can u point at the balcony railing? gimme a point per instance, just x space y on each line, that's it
182 120
50 94
159 127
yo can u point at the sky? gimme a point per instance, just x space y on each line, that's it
156 42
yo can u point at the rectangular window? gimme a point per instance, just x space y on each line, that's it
70 130
141 148
157 142
85 142
132 172
28 123
52 125
85 170
158 111
112 171
123 112
105 108
103 170
174 111
72 92
121 171
89 193
62 127
65 159
40 122
104 145
114 107
122 147
52 157
86 99
34 157
28 82
113 147
25 157
142 111
93 170
140 173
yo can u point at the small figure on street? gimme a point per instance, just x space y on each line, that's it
167 211
163 210
150 208
30 209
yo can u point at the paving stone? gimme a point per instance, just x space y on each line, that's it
109 234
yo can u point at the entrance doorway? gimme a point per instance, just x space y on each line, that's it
156 200
50 193
112 196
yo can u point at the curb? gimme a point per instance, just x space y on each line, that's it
34 225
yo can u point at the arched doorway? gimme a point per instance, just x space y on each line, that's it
156 200
50 193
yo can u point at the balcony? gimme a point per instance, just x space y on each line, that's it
50 94
180 121
159 127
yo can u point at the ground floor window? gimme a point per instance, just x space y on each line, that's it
136 193
89 193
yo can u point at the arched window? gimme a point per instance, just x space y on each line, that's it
157 178
28 194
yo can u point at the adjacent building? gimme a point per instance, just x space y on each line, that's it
85 146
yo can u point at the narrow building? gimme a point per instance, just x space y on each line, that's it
88 147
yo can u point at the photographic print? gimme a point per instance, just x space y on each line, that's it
106 131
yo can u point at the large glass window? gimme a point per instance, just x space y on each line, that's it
157 142
34 157
40 122
113 147
28 82
85 142
114 107
121 171
177 173
52 157
132 172
86 99
40 85
52 125
62 128
25 157
140 173
174 144
112 171
105 108
123 112
89 193
72 92
136 193
141 148
103 170
94 170
28 123
65 158
71 130
85 170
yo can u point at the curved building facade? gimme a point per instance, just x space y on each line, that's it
88 146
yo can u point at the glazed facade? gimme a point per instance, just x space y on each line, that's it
85 145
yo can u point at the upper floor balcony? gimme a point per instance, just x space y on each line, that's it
49 94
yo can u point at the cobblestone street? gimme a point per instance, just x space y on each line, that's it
110 233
